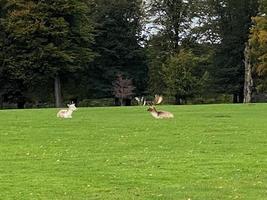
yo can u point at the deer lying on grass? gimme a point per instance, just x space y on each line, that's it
67 113
158 114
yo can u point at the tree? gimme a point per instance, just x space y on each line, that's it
248 82
2 42
118 44
173 18
170 20
156 56
258 48
123 88
46 40
180 25
234 21
180 77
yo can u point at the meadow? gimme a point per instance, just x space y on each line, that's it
207 152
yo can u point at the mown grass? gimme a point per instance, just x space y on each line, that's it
208 152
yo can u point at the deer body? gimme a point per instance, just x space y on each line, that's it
67 113
160 114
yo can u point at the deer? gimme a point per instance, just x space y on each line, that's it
158 114
141 101
67 113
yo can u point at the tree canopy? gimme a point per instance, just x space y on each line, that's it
55 51
258 47
44 40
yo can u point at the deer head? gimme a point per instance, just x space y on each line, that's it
158 114
72 106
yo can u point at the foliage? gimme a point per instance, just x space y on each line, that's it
170 19
258 42
263 6
45 39
180 77
86 43
258 48
183 25
156 56
104 102
123 88
234 21
173 20
118 45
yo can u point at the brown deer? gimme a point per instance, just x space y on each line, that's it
158 114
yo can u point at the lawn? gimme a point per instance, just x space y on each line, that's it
207 152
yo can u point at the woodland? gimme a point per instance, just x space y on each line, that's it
106 52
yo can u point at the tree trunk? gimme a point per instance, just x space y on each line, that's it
241 97
57 85
248 84
21 102
235 98
1 101
117 101
178 100
127 102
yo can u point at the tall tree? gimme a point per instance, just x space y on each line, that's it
157 54
118 45
234 21
258 48
2 42
169 20
173 19
179 75
177 26
46 40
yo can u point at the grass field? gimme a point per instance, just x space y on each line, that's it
207 152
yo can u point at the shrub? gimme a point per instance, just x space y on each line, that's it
96 102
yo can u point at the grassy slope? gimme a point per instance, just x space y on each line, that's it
206 152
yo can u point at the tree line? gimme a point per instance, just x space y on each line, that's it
56 50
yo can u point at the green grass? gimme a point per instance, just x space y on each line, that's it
208 152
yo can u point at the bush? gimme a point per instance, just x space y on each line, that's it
96 102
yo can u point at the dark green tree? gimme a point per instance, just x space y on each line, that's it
181 76
118 44
177 25
169 21
46 40
173 19
157 54
233 18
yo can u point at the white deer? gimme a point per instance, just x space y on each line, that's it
67 113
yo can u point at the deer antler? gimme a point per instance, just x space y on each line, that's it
158 99
137 99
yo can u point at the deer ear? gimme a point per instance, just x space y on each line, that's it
68 105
